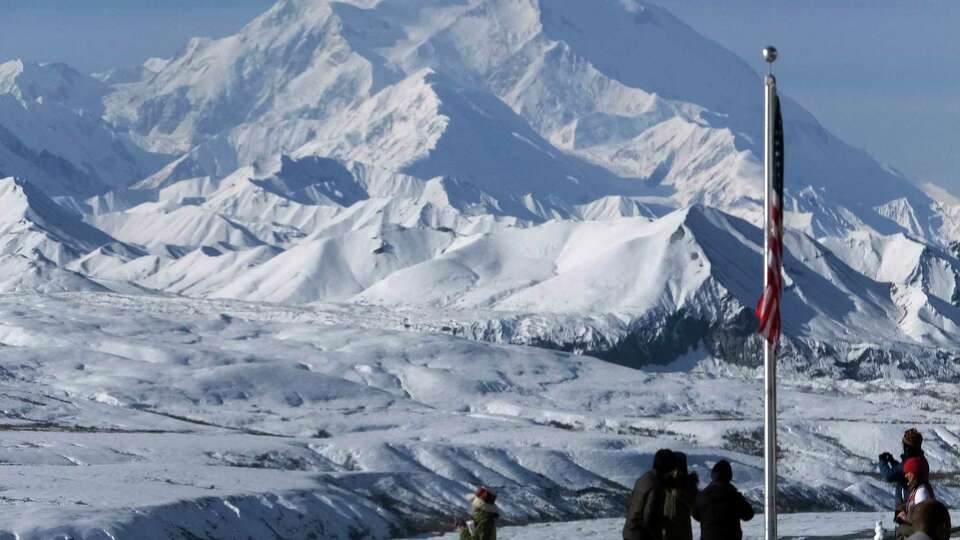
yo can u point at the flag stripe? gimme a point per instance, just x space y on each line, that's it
768 308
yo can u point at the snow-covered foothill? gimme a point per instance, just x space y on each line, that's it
145 417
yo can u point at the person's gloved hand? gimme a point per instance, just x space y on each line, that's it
886 457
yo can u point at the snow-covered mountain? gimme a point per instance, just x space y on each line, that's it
52 132
625 86
573 175
38 239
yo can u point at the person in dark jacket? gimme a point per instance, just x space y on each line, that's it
720 507
680 494
645 506
891 470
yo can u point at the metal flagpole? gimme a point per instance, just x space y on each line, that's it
769 347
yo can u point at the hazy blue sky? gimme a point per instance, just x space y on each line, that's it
95 35
883 74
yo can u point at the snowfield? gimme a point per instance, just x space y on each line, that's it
160 417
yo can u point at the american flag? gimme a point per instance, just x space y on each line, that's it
768 308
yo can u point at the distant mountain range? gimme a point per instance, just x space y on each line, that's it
568 174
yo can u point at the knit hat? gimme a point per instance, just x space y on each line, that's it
664 461
485 495
917 467
722 471
912 438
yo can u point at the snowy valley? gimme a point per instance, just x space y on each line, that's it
159 417
322 276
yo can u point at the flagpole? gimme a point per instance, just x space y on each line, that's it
769 347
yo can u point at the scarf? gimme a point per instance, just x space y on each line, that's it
671 502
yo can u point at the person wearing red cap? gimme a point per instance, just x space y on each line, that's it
917 473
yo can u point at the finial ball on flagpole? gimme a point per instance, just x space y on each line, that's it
770 54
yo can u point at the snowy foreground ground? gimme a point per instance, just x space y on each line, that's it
149 417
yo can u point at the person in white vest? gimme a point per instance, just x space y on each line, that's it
917 473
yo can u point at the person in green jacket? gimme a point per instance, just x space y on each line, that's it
483 526
680 494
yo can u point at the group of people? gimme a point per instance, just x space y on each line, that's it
918 514
668 496
665 499
660 507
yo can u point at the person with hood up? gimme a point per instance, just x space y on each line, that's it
483 526
931 519
681 493
917 474
645 506
720 507
892 470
